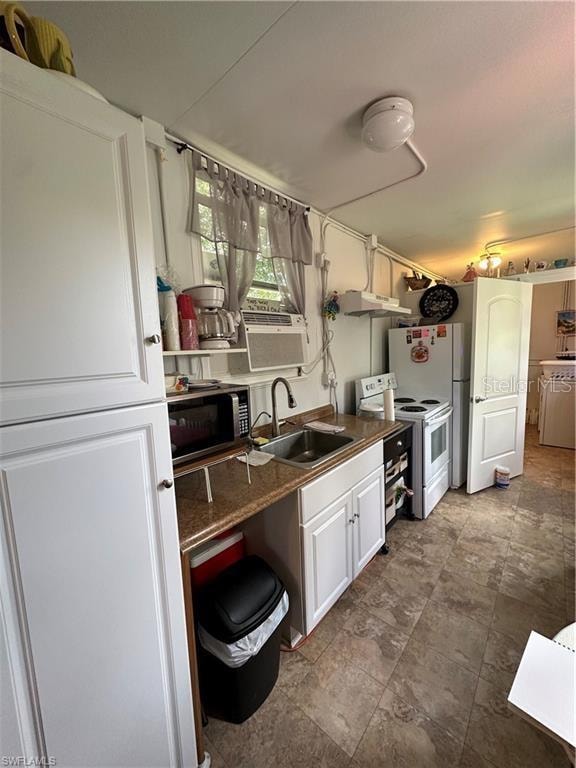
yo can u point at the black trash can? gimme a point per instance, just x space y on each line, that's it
239 619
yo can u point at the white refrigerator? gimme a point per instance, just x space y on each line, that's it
434 361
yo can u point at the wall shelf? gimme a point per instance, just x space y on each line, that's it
201 352
545 276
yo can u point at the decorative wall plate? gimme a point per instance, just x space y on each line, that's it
439 302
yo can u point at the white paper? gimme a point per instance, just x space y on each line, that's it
256 458
544 685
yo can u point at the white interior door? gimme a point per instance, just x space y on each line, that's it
79 309
500 345
91 605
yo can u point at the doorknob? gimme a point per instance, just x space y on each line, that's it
479 399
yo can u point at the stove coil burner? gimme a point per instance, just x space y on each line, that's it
413 408
404 400
430 402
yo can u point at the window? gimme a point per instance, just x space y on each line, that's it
252 240
265 284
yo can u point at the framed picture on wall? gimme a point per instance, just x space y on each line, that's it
566 322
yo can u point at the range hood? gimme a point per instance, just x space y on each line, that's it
364 303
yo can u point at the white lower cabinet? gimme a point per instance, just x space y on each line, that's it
339 542
369 523
319 538
328 546
92 627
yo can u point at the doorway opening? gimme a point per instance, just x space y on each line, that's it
551 386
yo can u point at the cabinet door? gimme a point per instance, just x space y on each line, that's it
369 516
327 543
78 290
91 592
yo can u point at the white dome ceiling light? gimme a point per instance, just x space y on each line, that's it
388 123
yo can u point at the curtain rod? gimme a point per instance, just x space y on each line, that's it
182 146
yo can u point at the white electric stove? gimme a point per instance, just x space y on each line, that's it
431 436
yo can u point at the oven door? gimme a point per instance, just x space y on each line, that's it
436 447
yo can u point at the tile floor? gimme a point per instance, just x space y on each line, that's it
413 665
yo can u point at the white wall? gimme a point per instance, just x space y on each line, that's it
359 343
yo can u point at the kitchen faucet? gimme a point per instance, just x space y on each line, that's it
291 403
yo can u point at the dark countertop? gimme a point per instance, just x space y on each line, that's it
235 500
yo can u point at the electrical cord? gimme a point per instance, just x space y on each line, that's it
320 355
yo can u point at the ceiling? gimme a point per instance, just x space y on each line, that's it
283 86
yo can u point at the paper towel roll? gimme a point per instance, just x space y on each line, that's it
171 329
389 405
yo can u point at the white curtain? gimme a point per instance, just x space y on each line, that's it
243 219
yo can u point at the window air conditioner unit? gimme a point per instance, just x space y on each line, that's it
274 339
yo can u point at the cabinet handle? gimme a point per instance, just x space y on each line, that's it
154 339
356 515
399 444
352 521
167 483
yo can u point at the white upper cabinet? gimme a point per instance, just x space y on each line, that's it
78 290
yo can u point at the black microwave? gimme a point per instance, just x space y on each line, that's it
208 420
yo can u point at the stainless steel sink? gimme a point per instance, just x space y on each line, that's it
307 448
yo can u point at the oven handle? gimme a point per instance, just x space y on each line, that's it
440 419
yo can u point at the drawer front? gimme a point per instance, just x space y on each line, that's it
436 489
321 492
397 444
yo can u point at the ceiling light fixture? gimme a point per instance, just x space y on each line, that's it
388 123
489 262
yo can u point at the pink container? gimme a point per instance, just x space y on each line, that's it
189 334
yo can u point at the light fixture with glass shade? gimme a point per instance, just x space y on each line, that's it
489 262
387 124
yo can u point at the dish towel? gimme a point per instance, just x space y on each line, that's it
256 458
320 426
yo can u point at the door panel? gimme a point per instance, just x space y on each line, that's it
369 514
94 574
327 543
500 342
78 296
